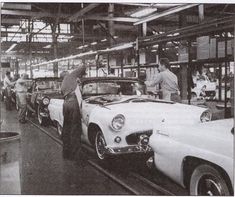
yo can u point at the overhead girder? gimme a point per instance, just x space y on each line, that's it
213 26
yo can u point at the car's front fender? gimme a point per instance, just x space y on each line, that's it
169 155
102 117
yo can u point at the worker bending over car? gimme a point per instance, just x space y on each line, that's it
72 128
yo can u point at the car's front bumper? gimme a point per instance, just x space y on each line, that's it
128 149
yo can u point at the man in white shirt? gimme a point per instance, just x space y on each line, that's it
168 81
21 93
7 86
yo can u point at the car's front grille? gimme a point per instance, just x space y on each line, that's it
133 138
210 93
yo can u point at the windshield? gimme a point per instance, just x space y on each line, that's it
45 85
113 87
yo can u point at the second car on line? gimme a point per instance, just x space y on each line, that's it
39 95
118 117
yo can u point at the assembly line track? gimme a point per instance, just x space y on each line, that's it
151 186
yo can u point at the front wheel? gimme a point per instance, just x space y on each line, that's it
100 145
17 104
207 180
193 96
42 120
59 129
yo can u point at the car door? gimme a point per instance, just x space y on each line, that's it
32 95
29 94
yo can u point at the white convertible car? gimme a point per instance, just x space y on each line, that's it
199 158
204 88
117 117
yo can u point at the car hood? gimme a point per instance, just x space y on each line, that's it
220 129
144 112
51 93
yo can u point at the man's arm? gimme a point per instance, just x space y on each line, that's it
156 80
79 72
9 83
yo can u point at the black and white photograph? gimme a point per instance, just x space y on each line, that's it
117 98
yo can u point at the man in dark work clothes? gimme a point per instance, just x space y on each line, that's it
72 128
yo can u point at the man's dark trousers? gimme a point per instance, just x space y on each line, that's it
72 128
8 98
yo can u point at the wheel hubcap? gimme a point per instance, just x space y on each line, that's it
59 128
39 116
100 145
207 186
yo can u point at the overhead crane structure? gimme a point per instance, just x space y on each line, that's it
98 28
120 21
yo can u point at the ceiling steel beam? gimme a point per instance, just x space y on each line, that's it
10 21
217 25
153 5
107 18
32 14
82 11
17 6
165 13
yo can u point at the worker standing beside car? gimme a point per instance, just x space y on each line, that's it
21 93
72 128
8 84
168 81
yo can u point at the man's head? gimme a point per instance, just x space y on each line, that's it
112 71
8 73
83 70
63 74
24 76
163 64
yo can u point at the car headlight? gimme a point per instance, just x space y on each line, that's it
118 122
46 101
206 116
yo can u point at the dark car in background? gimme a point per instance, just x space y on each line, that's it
39 95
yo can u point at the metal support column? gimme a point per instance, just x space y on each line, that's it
108 63
55 35
220 72
189 72
30 35
83 35
97 64
183 82
122 64
226 77
201 12
137 56
111 23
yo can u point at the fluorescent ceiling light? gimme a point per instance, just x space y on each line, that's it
47 47
104 40
143 12
11 47
93 43
83 46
